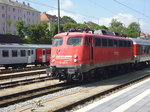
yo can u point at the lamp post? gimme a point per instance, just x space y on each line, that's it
58 16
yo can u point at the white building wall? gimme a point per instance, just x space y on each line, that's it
16 13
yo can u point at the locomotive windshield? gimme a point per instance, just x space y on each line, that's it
74 41
57 41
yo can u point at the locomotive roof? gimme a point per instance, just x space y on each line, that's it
140 41
26 45
89 34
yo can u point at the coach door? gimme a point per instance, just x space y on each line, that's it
29 56
43 55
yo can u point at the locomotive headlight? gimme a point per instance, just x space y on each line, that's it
75 56
75 60
53 60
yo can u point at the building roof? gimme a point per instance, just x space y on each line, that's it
18 4
52 18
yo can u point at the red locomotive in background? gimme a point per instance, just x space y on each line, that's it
78 55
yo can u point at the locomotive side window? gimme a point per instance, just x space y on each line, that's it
129 44
5 53
14 53
23 53
104 42
98 42
74 41
115 43
87 41
110 42
121 43
57 41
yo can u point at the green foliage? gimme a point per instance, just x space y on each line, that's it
116 26
34 33
68 26
67 18
8 21
20 27
133 30
98 27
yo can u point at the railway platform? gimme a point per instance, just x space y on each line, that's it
132 99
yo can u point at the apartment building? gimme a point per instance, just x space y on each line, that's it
11 11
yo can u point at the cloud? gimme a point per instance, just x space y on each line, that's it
66 4
126 19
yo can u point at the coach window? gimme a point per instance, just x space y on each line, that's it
104 42
29 53
48 52
5 53
14 53
23 53
32 52
74 41
98 42
110 42
44 52
57 41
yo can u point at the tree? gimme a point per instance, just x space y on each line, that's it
69 19
117 26
8 21
20 27
133 30
98 27
34 33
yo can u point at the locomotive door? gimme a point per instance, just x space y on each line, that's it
43 55
91 49
29 56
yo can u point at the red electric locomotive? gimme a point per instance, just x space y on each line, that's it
77 55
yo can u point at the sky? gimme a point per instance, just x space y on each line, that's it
99 11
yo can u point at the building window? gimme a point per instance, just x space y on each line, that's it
8 8
14 17
3 15
5 53
32 13
3 8
14 9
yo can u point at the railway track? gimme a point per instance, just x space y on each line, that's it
26 95
6 71
88 92
11 84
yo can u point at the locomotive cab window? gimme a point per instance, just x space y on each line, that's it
57 41
14 53
5 53
74 41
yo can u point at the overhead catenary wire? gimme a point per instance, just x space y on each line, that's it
132 9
